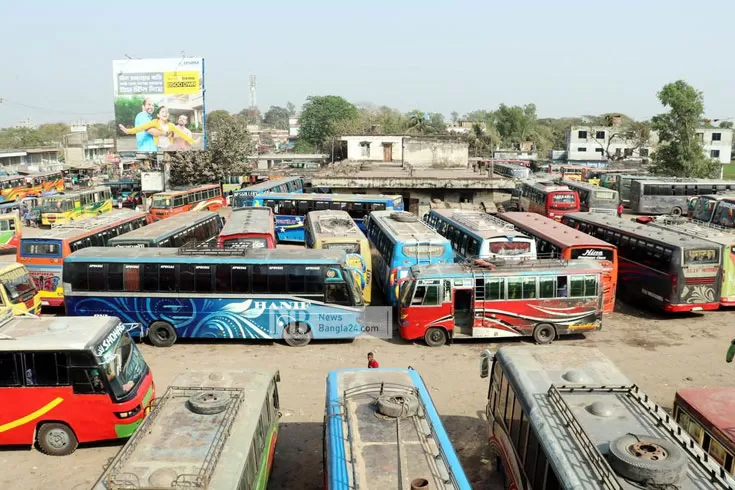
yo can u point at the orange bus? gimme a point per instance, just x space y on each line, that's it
12 188
44 184
560 241
43 255
202 198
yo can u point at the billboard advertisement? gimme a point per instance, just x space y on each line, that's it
159 104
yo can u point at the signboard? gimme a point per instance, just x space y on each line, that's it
151 181
159 103
592 253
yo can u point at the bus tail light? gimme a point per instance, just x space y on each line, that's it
129 413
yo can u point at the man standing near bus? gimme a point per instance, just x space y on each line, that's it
372 363
620 210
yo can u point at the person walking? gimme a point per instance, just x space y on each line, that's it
372 363
620 210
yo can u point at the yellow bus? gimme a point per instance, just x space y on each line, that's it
18 292
74 206
330 229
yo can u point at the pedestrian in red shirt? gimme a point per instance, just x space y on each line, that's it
620 210
372 363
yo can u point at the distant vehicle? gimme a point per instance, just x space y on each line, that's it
548 199
543 299
74 206
13 188
402 240
249 227
511 171
386 416
59 374
126 192
244 197
19 293
209 430
547 433
665 269
475 234
593 199
180 229
42 184
607 178
672 196
10 232
202 198
624 182
715 209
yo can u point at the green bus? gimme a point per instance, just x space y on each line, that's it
73 206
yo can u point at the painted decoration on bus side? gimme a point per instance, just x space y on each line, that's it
31 416
45 279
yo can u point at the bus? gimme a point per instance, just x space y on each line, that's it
249 227
126 192
44 253
18 292
198 226
511 171
329 230
715 209
209 430
548 199
543 299
555 240
566 417
294 295
594 199
73 206
663 268
65 381
382 430
624 182
664 196
475 234
202 198
10 232
401 241
707 416
43 184
607 178
290 209
244 197
13 188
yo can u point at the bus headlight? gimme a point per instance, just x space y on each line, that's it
129 413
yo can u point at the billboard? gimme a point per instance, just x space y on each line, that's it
159 104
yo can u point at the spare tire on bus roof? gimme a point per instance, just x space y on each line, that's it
648 460
404 216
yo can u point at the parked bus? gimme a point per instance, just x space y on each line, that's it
382 430
568 418
663 268
67 381
290 209
13 188
192 226
126 192
335 230
10 232
672 196
210 430
294 295
593 199
548 199
244 197
708 417
624 183
476 234
202 198
18 292
543 299
511 171
715 209
43 184
401 241
607 178
44 253
74 206
249 227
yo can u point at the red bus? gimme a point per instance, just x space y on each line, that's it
708 415
202 198
560 241
69 380
549 199
540 298
252 227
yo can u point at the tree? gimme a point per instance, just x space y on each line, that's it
291 108
101 130
320 117
680 152
726 124
418 122
251 115
634 134
218 119
276 117
516 124
455 116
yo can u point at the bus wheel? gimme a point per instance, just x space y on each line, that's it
297 334
676 212
162 334
544 333
435 337
56 439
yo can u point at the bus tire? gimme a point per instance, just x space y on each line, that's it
208 402
56 439
544 333
676 211
435 337
297 334
162 334
632 457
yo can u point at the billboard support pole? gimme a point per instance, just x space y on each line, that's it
204 109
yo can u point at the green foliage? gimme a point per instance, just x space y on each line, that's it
251 115
218 119
12 138
680 152
101 130
303 146
726 124
291 108
277 117
320 118
516 124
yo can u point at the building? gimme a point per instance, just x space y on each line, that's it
25 124
717 143
30 159
409 151
293 127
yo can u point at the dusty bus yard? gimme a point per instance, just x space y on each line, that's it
660 354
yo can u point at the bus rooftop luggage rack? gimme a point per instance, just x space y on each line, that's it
516 264
197 249
481 221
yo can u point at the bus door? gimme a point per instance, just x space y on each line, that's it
463 302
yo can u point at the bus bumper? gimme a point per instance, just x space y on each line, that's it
694 307
52 301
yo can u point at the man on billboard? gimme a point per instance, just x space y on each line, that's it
144 139
163 126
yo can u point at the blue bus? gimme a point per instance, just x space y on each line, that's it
402 241
244 197
381 430
290 210
294 295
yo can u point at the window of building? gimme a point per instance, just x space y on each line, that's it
628 152
600 135
716 136
582 135
643 152
598 150
714 153
365 149
581 149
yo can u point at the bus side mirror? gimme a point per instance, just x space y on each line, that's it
486 356
730 352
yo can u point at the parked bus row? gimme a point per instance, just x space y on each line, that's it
666 196
192 226
17 187
714 209
65 208
244 197
511 171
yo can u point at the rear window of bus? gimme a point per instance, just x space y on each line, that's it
30 248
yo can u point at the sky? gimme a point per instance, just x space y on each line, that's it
569 58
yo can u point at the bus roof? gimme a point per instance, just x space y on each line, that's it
547 186
719 197
723 236
564 416
179 192
513 268
586 186
334 223
315 196
72 194
175 441
664 180
254 219
86 226
267 184
10 267
479 223
164 227
54 334
553 231
714 404
404 226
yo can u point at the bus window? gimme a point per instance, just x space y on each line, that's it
515 288
529 288
276 279
115 277
338 294
547 287
150 277
132 278
494 289
240 279
418 295
432 296
260 279
167 278
203 279
46 369
9 375
223 276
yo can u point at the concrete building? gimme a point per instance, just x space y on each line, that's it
417 152
32 159
717 143
293 127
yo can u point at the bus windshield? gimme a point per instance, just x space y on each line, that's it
724 214
57 205
350 248
122 362
161 202
509 249
20 288
563 199
354 290
406 293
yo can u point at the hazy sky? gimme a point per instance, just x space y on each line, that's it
568 57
